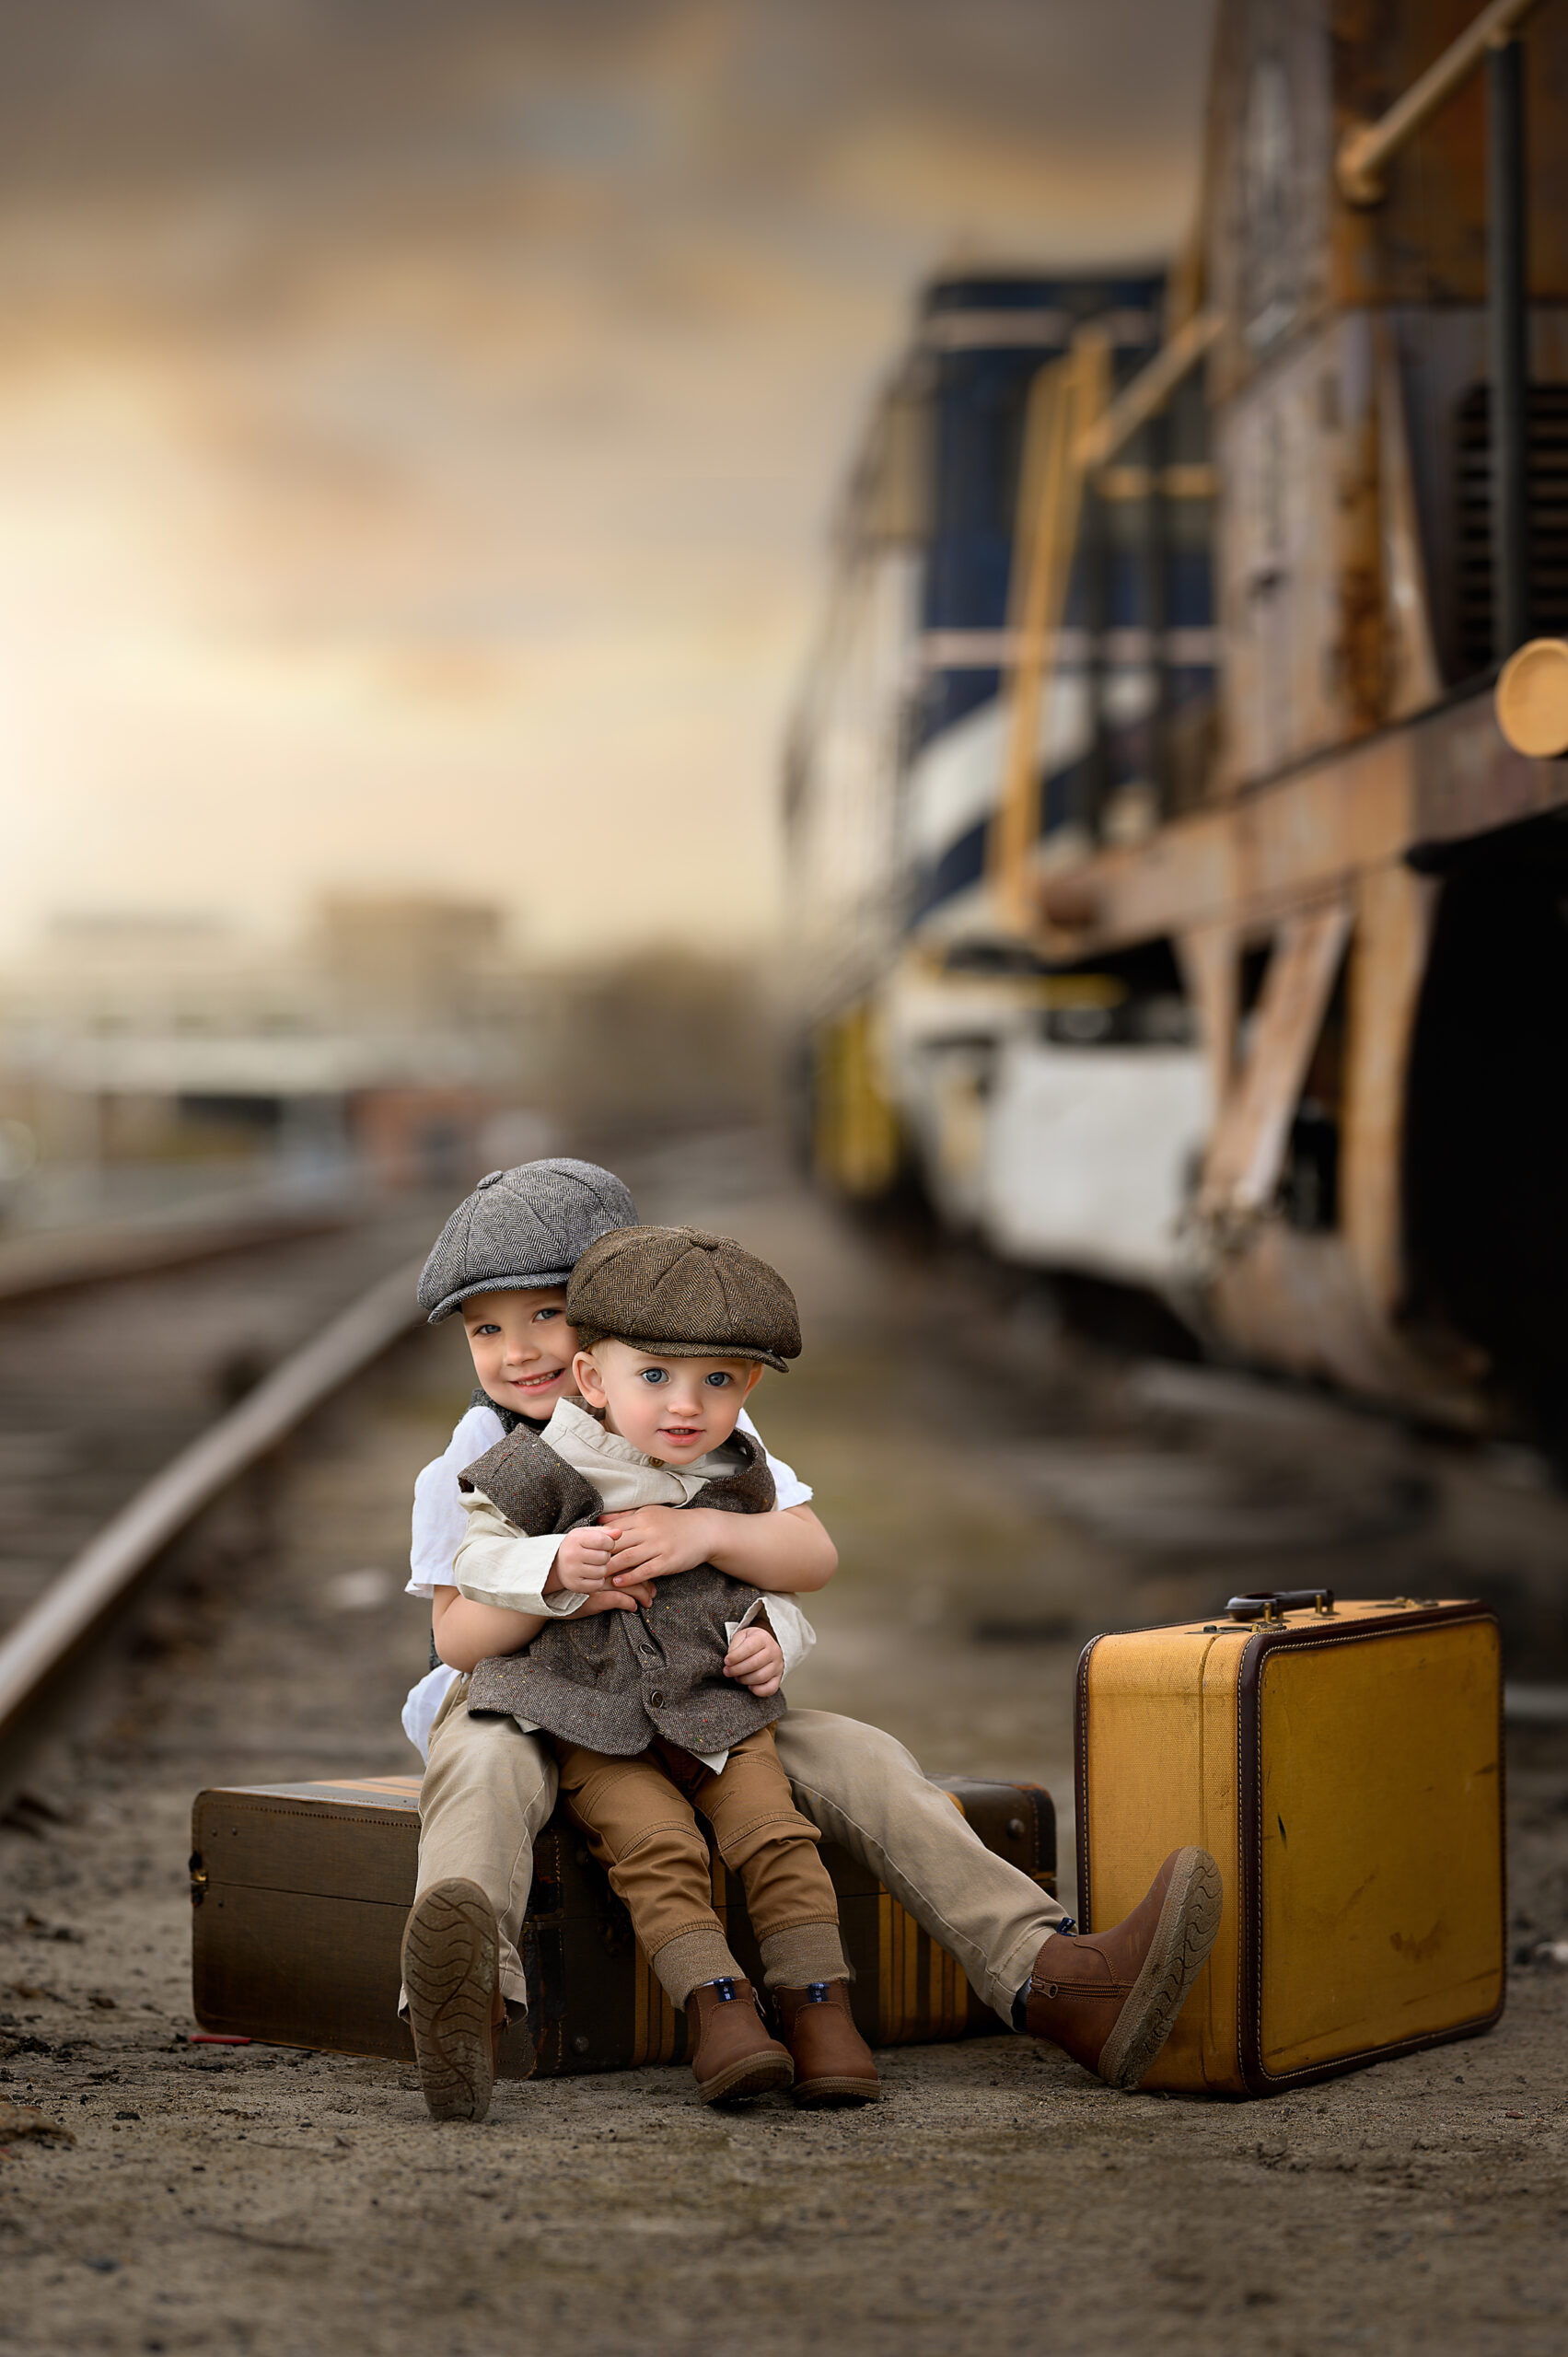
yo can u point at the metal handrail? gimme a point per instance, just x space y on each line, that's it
1071 431
1148 390
110 1565
1066 396
1367 146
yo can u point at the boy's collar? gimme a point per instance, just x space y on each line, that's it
573 1416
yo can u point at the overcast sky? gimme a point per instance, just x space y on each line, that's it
418 421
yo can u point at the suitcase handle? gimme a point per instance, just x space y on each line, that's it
1277 1602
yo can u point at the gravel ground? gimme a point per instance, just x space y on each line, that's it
255 2197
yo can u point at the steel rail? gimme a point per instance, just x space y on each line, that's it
68 1261
1367 146
109 1568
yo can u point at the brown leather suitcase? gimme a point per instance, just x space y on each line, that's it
299 1893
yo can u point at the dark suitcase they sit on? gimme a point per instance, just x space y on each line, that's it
299 1894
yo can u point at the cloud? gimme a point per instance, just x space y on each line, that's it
419 425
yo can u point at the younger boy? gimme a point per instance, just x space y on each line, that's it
647 1728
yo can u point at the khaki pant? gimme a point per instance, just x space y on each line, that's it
640 1816
489 1791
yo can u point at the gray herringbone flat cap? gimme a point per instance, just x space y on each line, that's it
682 1294
523 1228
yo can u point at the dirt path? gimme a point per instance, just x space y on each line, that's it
300 2205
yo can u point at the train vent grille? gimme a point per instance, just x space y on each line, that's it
1548 459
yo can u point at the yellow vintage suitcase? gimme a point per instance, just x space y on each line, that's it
1344 1763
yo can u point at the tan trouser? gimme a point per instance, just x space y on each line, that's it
489 1791
640 1816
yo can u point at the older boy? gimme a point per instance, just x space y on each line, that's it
490 1788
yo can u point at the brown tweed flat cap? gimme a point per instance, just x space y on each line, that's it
683 1293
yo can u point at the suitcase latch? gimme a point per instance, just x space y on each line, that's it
1264 1610
198 1878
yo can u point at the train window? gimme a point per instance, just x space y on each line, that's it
1135 999
991 958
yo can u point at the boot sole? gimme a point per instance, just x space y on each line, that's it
822 2095
755 2075
1183 1936
449 1961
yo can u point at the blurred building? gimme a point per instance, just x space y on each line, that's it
387 1039
148 1057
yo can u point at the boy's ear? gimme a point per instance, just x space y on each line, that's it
752 1380
585 1376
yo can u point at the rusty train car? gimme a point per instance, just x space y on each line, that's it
1166 890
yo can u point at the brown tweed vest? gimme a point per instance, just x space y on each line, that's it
617 1679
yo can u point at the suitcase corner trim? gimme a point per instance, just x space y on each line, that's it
1081 1785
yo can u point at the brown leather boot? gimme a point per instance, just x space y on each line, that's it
732 2054
456 2010
1109 1999
832 2061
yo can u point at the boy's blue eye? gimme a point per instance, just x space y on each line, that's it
718 1380
486 1329
540 1316
654 1373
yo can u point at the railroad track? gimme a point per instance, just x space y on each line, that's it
50 1261
129 1405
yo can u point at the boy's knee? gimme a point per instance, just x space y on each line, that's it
484 1757
673 1849
823 1750
744 1838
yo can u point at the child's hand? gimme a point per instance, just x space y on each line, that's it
582 1560
651 1541
755 1658
612 1599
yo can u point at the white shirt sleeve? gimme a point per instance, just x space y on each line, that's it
423 1702
792 1491
439 1522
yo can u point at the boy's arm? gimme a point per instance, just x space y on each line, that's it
785 1553
466 1633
